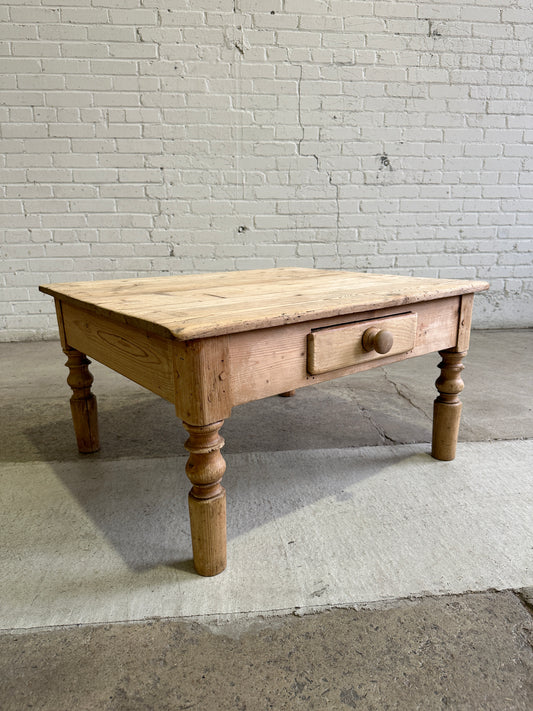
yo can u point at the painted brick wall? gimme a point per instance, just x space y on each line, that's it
143 137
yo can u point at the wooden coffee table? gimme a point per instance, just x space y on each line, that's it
208 342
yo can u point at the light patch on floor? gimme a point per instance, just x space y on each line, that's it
98 541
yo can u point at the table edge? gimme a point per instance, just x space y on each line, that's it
190 333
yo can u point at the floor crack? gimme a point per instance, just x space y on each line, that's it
526 598
300 109
380 430
337 189
403 395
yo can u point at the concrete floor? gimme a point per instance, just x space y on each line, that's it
394 582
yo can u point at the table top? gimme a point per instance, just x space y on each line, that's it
202 305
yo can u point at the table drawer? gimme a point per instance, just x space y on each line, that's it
336 347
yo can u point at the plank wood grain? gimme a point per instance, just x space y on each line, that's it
203 305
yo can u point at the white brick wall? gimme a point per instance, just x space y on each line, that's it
144 137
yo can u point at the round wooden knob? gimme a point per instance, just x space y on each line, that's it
375 339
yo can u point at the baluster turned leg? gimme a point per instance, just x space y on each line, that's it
447 407
207 498
83 401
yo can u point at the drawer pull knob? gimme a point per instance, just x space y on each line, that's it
377 340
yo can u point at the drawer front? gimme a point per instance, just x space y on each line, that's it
342 346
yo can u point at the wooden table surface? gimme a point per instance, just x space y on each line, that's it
193 306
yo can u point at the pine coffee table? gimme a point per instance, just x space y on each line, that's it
208 342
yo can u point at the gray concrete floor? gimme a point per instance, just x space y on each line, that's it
469 650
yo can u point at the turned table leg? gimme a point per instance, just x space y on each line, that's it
207 498
447 407
83 401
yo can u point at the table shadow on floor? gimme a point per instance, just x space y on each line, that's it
140 504
144 425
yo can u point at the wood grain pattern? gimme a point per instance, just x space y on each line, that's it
338 347
144 358
83 402
207 498
204 305
274 360
61 324
202 380
447 407
465 322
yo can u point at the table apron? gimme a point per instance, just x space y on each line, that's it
205 378
274 360
142 357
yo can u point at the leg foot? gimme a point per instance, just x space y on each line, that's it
289 393
82 402
447 407
207 498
